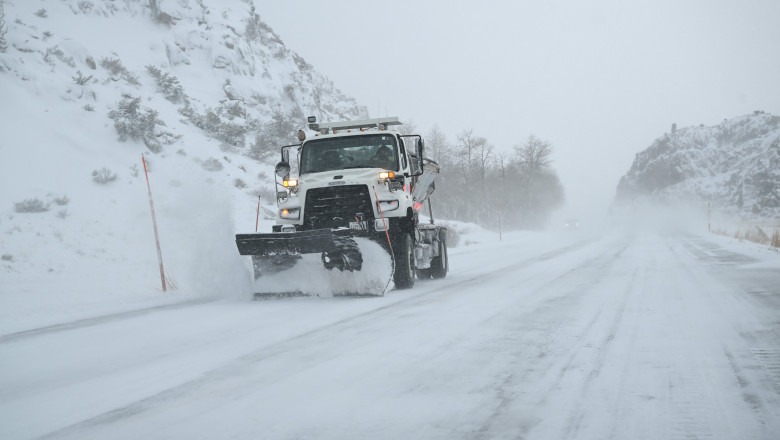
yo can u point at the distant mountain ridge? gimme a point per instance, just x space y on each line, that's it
735 165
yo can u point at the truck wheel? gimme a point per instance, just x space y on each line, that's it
440 265
403 252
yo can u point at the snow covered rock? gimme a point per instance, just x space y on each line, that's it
735 165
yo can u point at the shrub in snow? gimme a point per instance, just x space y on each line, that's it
238 183
41 13
103 176
263 148
85 6
133 123
62 201
257 30
211 122
62 214
3 29
113 65
119 71
55 51
212 165
31 205
270 136
80 79
168 85
235 110
7 257
159 16
89 107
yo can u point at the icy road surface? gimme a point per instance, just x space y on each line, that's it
632 336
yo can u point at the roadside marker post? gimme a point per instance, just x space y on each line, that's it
154 223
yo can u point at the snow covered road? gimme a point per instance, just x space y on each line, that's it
634 335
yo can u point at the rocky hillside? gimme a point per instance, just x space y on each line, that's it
212 64
735 165
204 88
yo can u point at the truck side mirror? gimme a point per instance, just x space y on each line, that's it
282 169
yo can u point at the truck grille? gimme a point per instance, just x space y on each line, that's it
336 206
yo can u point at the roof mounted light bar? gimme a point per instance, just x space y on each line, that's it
379 123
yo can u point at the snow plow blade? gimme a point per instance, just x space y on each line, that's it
290 243
280 249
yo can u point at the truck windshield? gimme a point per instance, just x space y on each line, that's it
368 151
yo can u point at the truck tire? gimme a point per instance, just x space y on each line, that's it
403 253
440 265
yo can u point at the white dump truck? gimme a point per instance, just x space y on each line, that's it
353 179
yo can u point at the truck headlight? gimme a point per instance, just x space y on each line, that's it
388 205
290 213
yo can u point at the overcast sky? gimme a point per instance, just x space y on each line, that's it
598 79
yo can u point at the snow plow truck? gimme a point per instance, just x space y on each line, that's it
353 179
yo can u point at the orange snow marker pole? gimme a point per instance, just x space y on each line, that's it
257 221
154 223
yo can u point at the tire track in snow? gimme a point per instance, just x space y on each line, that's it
113 317
226 380
604 347
769 359
98 320
503 414
701 408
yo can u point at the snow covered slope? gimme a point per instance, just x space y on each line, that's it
735 165
204 88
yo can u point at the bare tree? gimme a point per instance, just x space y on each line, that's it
477 180
436 143
408 127
465 148
534 154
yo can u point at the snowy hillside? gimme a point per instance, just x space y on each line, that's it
204 88
735 165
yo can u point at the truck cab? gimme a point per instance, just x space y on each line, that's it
353 179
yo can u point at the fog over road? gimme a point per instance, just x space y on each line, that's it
564 336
